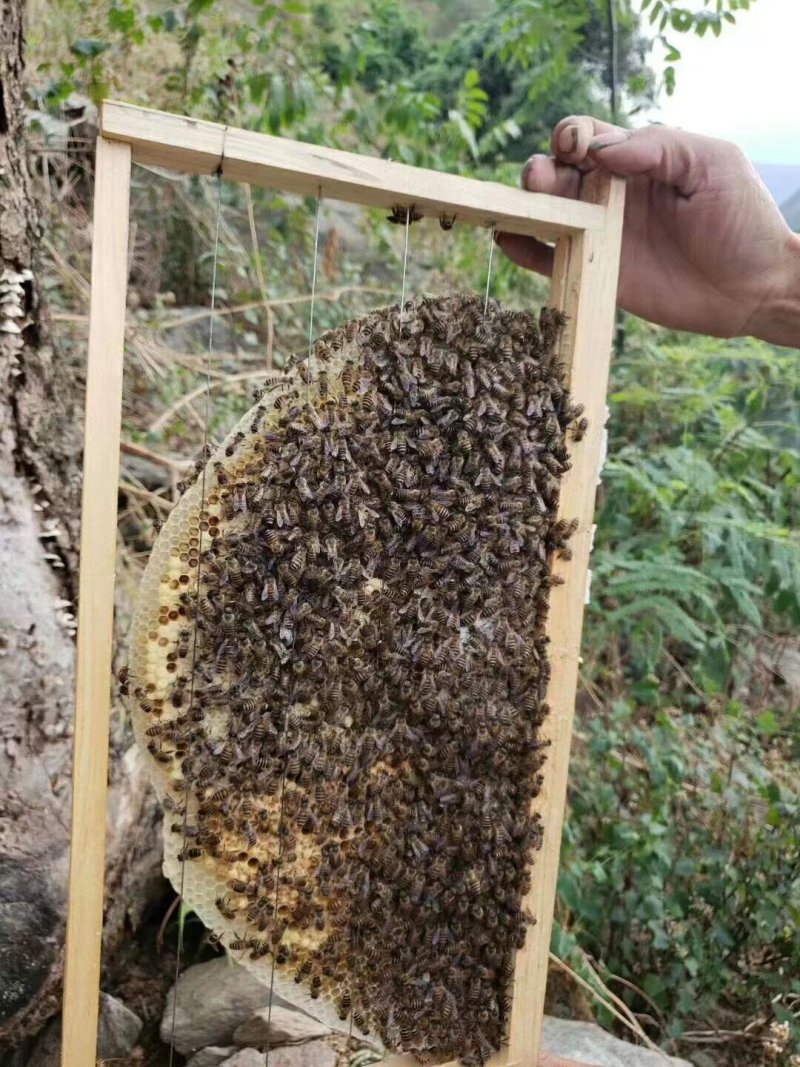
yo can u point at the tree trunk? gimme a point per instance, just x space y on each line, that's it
40 401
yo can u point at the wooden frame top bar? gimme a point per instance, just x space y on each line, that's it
196 147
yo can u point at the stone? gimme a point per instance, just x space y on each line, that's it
589 1044
212 1056
46 1050
118 1030
310 1054
214 998
246 1057
285 1027
117 1033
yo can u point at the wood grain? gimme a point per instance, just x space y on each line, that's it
195 147
584 285
96 602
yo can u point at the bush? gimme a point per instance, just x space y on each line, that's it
681 871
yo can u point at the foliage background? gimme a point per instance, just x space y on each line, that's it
680 888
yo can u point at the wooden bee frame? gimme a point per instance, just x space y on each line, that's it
587 235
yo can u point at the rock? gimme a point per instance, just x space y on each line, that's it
285 1027
118 1031
214 998
246 1057
212 1056
785 662
190 334
589 1044
46 1051
311 1054
30 924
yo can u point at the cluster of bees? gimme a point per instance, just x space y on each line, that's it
340 667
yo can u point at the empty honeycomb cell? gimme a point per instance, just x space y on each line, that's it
358 747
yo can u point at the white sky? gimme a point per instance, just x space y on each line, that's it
743 85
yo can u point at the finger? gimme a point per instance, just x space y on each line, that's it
527 252
573 135
542 174
666 155
661 153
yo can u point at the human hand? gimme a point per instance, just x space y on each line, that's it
704 247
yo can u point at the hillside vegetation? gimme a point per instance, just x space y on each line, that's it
680 887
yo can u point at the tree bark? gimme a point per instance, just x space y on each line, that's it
40 426
38 520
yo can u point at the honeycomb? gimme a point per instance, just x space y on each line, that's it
339 664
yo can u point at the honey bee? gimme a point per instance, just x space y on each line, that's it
402 215
223 906
192 853
260 948
579 429
234 443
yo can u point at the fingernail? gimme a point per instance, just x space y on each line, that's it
607 140
523 180
568 140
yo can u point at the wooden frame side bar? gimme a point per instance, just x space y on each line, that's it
584 286
194 147
96 602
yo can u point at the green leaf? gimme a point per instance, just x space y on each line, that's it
465 130
89 48
121 19
170 20
773 792
257 86
767 723
276 102
681 19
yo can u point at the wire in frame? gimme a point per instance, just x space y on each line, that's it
206 417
